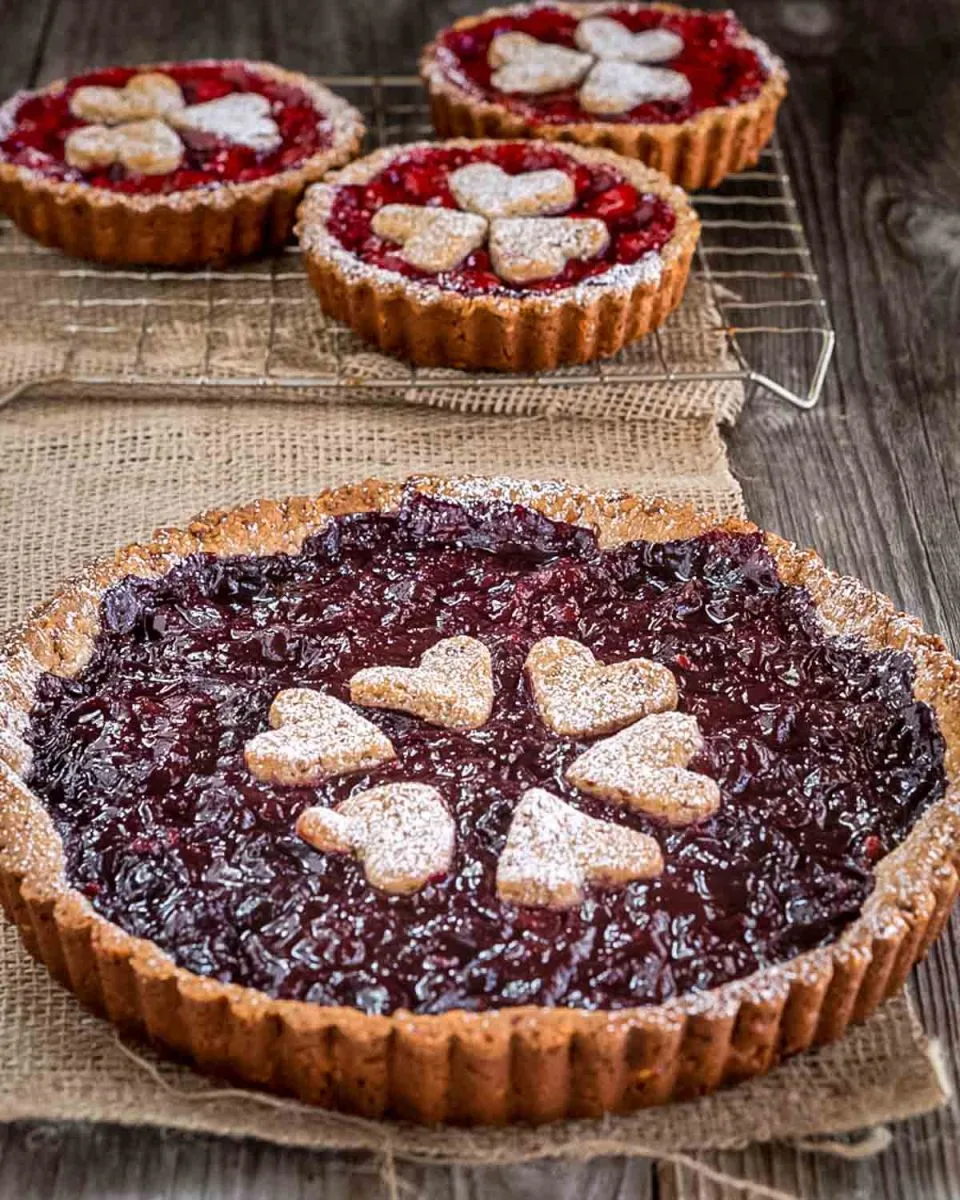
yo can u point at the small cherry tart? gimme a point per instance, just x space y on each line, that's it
689 92
170 164
509 256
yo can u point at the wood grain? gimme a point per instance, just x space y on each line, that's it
872 135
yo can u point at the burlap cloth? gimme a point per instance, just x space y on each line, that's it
85 466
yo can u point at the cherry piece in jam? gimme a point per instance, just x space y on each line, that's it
824 758
637 223
43 120
722 70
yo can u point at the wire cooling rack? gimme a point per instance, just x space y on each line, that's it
257 325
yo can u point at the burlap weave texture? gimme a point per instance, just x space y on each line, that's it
79 477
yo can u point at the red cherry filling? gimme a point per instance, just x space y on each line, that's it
43 121
824 757
637 223
720 69
613 204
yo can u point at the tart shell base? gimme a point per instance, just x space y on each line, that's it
700 153
434 327
165 234
190 228
452 333
697 153
473 1069
523 1064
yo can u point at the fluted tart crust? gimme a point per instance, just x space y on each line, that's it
433 324
696 152
208 223
526 1063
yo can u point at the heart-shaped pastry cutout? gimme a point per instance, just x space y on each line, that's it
617 87
452 686
312 737
487 189
522 64
141 147
553 851
644 767
525 249
432 239
606 38
401 832
151 94
578 697
242 118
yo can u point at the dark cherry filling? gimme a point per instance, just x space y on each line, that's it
721 71
824 757
43 121
638 223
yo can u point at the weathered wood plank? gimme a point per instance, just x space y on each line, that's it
24 27
871 477
111 31
76 1163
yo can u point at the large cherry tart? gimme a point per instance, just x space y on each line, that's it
172 163
510 256
687 91
475 800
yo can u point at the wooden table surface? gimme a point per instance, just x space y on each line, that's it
872 136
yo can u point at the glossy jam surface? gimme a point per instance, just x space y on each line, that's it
638 223
43 120
824 758
720 69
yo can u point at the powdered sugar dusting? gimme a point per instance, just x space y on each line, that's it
578 697
606 38
771 62
452 687
241 117
432 239
525 249
313 737
487 189
19 674
8 114
523 64
401 832
644 767
615 87
553 852
529 492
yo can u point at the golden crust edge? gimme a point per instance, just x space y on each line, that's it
697 153
525 335
236 220
527 1064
